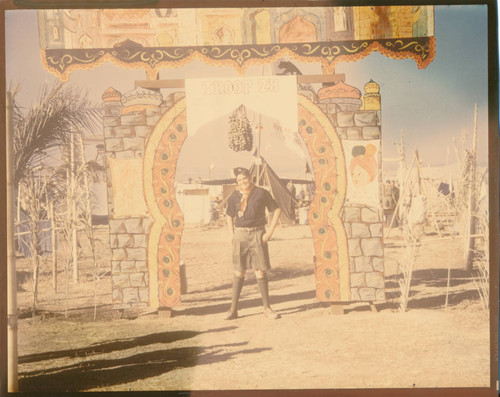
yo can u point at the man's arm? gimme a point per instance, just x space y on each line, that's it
274 222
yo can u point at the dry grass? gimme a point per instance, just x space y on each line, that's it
197 349
406 267
481 273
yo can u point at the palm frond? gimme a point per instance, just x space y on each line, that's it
58 110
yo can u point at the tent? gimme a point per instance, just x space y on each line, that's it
268 179
263 175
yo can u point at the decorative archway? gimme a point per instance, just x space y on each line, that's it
329 237
160 160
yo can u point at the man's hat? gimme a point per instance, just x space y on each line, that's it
240 170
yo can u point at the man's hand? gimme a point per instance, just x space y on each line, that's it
266 237
274 222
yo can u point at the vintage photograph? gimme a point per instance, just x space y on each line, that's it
256 198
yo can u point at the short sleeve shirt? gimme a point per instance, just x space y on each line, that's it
255 214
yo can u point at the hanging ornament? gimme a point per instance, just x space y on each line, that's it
240 133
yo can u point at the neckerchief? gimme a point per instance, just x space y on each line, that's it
244 199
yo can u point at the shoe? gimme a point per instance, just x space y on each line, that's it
230 315
270 313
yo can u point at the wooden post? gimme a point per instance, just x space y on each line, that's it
53 235
12 373
402 176
419 174
258 164
88 200
448 278
463 143
422 187
472 198
156 84
183 276
35 237
401 192
448 167
337 308
165 312
86 184
73 209
18 215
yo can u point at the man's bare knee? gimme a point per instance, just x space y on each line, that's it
260 274
239 274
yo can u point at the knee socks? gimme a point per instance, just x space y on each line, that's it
264 290
237 287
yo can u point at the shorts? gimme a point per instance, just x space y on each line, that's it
249 251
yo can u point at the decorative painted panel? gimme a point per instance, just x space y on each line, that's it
166 38
329 237
160 159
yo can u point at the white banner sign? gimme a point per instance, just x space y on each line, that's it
272 96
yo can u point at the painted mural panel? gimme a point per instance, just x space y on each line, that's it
157 27
165 38
128 196
363 169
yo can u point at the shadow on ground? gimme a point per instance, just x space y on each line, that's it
202 310
116 345
107 372
277 273
434 278
421 279
98 372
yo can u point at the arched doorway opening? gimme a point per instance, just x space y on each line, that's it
204 181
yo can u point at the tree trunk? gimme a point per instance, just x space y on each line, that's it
12 372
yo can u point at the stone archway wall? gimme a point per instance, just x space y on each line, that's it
146 247
363 224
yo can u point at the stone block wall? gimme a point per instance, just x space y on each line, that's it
125 137
129 269
363 224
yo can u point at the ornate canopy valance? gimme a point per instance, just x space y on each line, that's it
153 39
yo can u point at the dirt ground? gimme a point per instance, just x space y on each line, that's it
308 347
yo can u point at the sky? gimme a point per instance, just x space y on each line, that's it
431 106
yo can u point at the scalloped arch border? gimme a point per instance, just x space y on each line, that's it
329 236
163 252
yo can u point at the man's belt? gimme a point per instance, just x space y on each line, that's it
251 229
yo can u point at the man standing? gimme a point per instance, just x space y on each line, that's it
246 219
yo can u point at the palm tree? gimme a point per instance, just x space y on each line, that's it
59 110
